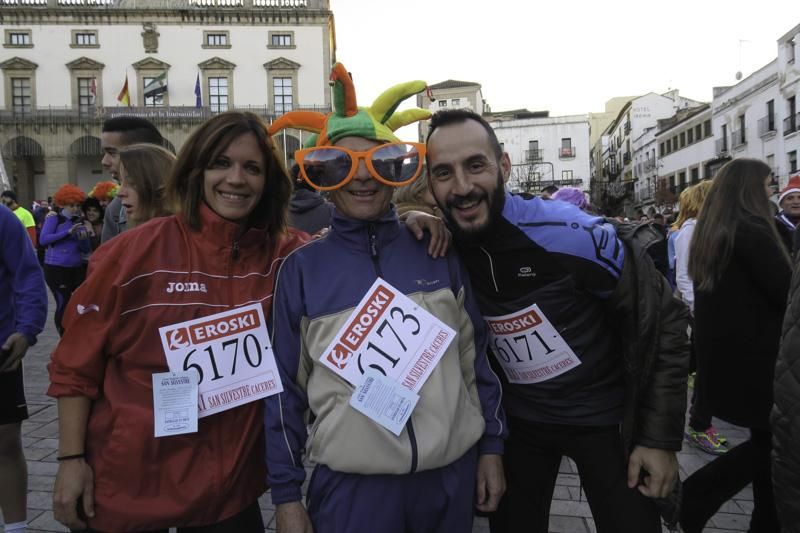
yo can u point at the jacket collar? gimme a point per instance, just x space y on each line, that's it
224 232
356 232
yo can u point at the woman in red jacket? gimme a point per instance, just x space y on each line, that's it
219 252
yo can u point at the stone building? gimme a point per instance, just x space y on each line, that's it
65 64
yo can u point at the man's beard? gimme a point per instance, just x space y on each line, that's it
495 201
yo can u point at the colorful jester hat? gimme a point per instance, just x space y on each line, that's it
377 122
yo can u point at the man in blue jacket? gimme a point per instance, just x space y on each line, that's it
366 309
590 344
23 310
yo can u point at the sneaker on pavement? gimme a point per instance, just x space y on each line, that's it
707 440
713 434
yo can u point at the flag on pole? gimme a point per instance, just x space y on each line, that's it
124 97
156 86
198 100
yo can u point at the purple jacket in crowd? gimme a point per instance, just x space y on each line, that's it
23 299
63 249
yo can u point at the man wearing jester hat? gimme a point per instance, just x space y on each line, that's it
382 343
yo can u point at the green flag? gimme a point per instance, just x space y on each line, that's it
156 86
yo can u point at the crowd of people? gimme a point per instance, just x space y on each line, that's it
391 313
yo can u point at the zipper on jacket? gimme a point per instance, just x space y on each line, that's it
414 452
373 249
491 269
373 253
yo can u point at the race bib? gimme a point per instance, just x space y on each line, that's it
528 347
231 354
390 334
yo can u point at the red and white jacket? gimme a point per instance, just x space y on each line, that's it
158 274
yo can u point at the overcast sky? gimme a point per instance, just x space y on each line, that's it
567 57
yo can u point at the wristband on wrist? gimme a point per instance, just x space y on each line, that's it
68 457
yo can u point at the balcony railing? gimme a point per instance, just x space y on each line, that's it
722 145
42 3
566 152
57 115
533 155
738 138
790 124
766 125
164 4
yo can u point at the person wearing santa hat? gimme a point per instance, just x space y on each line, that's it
789 216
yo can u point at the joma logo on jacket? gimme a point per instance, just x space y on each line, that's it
192 286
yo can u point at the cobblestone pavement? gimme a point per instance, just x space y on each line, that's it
569 511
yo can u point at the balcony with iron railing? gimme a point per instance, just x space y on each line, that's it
738 138
565 153
766 126
55 116
611 169
533 155
165 4
790 123
722 145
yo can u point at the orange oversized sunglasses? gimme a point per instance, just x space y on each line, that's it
327 168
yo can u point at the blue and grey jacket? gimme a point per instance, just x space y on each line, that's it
317 288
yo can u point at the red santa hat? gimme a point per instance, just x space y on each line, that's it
792 186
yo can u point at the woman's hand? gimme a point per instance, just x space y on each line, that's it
417 222
74 486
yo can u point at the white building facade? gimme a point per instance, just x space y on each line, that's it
686 154
450 94
758 117
65 64
645 170
613 184
544 150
